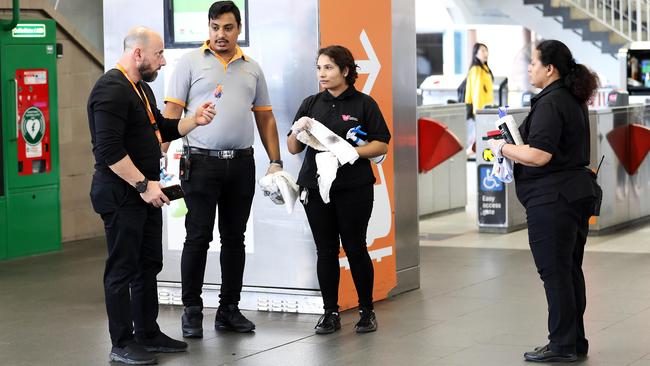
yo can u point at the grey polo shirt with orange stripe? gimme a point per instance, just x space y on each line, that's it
244 89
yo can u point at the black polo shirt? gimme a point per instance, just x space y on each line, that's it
350 109
558 124
120 126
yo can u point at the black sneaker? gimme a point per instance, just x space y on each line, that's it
230 318
328 323
132 354
162 343
192 322
367 323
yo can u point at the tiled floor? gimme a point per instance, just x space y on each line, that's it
477 306
480 303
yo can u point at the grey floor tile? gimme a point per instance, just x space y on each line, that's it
476 306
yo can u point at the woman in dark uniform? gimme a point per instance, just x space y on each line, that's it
344 219
558 191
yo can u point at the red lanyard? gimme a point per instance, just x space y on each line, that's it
145 100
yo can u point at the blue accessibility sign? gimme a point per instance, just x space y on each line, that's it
489 183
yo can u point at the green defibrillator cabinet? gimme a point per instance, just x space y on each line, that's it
30 215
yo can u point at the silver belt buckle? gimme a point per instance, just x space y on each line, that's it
227 154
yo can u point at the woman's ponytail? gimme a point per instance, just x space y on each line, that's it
581 81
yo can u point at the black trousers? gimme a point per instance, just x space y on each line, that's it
229 185
557 233
343 221
134 238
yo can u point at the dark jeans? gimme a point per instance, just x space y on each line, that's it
134 237
344 220
557 233
229 185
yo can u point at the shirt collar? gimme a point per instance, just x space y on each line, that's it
557 84
238 54
346 94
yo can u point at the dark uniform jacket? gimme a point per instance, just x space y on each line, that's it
558 124
350 109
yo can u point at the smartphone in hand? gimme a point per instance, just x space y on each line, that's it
173 192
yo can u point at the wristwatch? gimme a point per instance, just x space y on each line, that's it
278 162
141 186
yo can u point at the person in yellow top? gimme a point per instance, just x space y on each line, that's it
478 88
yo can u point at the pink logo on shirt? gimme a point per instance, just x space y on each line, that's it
347 117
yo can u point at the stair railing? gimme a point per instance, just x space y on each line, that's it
627 18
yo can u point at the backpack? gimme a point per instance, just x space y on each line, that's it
461 91
461 98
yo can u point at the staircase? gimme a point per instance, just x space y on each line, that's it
608 24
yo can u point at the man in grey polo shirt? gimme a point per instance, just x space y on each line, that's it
221 170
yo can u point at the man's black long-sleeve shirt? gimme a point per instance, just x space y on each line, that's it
120 126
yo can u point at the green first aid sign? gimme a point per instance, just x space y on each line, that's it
29 31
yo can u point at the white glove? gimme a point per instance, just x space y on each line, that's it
273 168
496 146
270 189
302 124
502 170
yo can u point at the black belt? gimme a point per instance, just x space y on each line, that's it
222 154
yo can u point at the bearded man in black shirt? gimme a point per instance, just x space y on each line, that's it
126 132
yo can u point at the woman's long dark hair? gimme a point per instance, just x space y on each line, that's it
477 62
581 81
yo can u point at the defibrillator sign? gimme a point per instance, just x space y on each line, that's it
33 121
33 126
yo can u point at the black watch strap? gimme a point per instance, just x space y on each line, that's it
279 162
141 186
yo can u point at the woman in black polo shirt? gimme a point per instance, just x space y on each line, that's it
557 190
341 107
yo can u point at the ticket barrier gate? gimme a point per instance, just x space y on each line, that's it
619 135
499 210
442 178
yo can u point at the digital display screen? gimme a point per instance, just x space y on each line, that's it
186 22
638 72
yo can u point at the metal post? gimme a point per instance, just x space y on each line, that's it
638 21
620 16
15 17
629 19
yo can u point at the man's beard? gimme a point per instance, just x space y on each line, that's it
146 72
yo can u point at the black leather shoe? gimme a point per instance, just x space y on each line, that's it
230 318
582 353
192 322
367 323
162 343
132 354
544 354
328 323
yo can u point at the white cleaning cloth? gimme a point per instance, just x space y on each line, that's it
327 165
502 170
281 188
326 140
335 152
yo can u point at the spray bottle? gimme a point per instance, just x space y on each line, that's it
352 135
508 127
